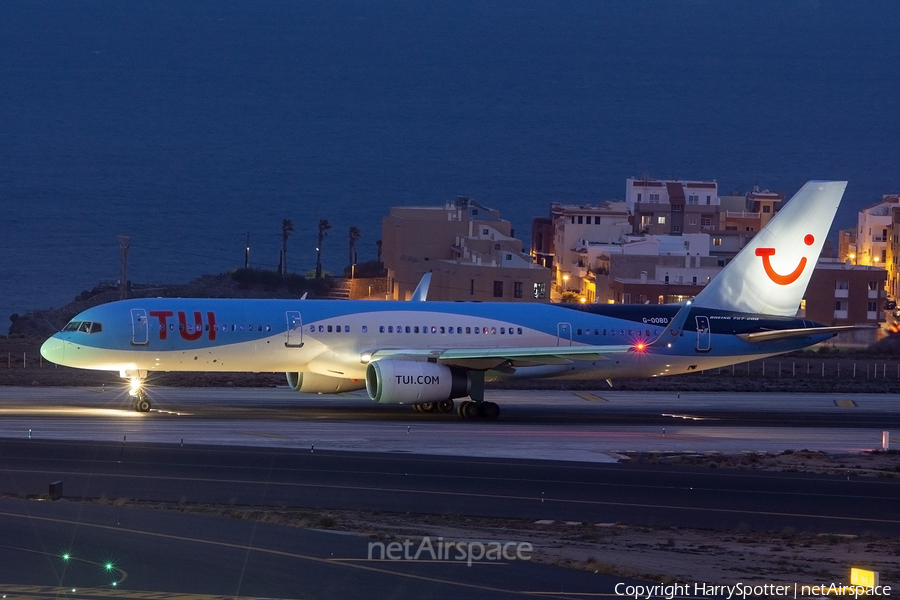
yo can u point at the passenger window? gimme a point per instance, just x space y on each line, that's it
468 330
434 329
579 331
365 329
502 330
442 330
415 329
493 330
519 330
390 329
347 329
408 329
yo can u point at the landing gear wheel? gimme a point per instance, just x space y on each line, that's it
490 410
427 407
141 404
445 406
469 410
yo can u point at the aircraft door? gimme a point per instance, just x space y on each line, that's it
703 335
294 337
563 334
140 334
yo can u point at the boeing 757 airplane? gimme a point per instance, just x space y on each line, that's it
427 354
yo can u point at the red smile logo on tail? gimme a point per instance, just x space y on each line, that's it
791 277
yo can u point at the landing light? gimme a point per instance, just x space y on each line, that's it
365 358
134 386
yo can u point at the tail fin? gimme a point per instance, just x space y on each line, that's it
770 274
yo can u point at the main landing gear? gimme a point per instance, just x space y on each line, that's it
467 409
476 408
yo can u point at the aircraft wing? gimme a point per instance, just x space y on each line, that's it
482 359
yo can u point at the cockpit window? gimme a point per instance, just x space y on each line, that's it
84 326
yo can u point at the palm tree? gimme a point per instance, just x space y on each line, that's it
354 237
287 228
324 226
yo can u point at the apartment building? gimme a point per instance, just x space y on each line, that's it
873 223
469 250
672 207
841 293
556 240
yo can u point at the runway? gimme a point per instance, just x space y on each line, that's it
555 425
550 457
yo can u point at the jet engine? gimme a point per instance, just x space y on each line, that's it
412 382
314 383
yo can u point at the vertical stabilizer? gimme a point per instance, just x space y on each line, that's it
770 274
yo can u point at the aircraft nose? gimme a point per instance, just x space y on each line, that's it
54 350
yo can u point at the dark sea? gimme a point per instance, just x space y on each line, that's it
187 125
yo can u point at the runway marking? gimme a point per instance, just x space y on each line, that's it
274 436
845 403
590 397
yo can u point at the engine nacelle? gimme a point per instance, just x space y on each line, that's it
411 382
314 383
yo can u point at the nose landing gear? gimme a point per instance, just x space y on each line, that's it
139 400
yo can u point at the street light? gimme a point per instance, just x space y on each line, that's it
566 283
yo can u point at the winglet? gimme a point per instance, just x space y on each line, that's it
421 293
676 326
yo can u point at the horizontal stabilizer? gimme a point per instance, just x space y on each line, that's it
780 334
675 327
